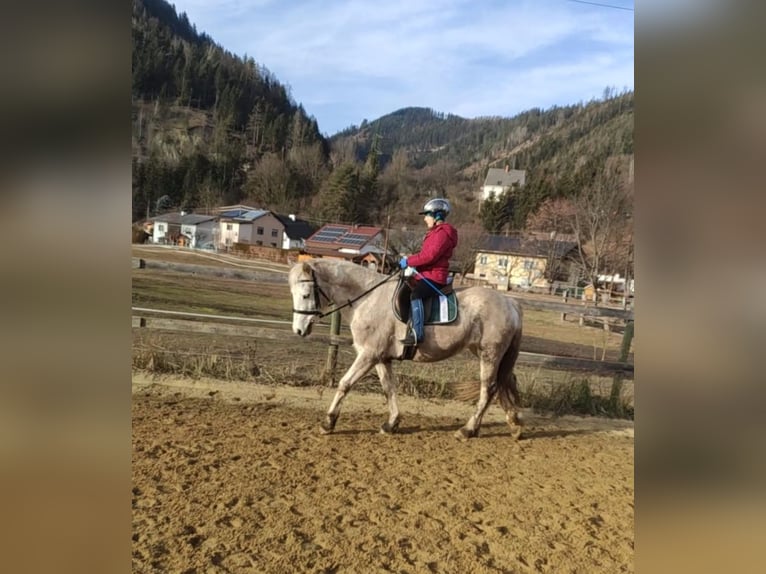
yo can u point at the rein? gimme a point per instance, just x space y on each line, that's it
318 291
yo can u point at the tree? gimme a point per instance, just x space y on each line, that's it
309 165
601 213
556 220
470 240
271 184
337 201
495 212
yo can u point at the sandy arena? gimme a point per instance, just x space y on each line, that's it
236 478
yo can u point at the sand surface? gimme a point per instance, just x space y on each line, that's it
231 477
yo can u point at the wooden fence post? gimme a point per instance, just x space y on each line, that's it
332 352
627 338
563 313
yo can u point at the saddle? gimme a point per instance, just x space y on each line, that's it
437 310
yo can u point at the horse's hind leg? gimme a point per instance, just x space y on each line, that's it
511 403
388 382
360 367
508 390
486 394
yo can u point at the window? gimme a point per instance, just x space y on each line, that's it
529 264
229 227
259 231
160 227
482 260
274 232
502 262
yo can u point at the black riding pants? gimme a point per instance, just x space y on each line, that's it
422 290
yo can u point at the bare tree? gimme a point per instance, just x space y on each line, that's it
270 184
470 239
602 212
555 220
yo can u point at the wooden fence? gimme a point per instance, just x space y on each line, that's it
237 326
224 325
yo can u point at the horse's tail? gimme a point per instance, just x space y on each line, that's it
507 389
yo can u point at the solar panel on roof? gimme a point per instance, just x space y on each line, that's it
353 239
325 237
329 234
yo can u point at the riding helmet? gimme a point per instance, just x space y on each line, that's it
437 207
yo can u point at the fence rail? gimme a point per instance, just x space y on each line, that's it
271 275
148 319
276 276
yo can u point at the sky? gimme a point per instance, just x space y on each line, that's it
350 60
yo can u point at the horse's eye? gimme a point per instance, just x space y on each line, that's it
307 296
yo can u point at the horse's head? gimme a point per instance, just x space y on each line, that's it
305 293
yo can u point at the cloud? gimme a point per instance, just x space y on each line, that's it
347 60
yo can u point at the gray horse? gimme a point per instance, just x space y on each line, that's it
488 325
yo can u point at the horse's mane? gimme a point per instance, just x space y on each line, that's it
340 271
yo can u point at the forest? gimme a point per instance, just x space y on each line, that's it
212 128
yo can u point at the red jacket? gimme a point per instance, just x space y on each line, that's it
432 261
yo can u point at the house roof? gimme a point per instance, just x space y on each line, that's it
186 219
336 236
497 176
295 228
252 215
526 245
238 207
195 219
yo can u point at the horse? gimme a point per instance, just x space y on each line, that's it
489 325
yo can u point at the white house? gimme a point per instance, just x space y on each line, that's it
166 228
192 229
296 231
499 181
255 227
199 229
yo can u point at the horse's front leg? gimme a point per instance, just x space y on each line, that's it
359 368
388 382
486 394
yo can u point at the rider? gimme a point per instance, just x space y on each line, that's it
432 263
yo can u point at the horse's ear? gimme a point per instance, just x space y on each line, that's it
306 268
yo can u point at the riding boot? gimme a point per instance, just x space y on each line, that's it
415 334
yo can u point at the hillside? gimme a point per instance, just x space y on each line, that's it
212 128
202 116
525 141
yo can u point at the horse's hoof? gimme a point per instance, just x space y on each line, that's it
464 433
516 424
387 428
327 427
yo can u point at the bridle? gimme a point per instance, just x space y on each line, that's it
316 311
317 303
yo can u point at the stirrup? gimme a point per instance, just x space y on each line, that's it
409 339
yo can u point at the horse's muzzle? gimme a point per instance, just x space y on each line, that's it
306 331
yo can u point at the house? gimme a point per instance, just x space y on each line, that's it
524 261
361 244
251 226
499 181
190 229
296 231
